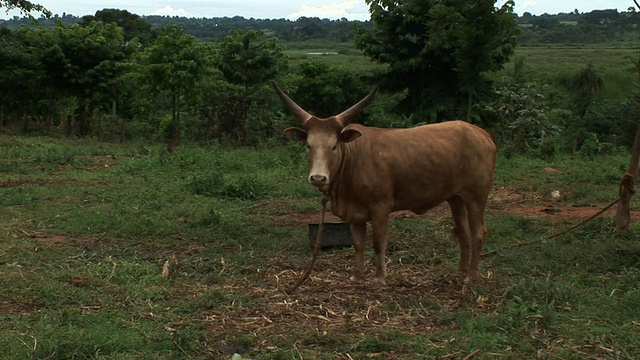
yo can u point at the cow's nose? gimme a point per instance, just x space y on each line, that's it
317 180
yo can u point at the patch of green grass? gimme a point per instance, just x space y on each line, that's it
87 227
581 181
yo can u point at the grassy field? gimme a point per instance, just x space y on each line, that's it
332 53
126 252
545 63
614 63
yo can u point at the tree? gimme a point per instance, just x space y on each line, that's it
248 60
25 7
132 25
21 71
439 51
64 65
87 64
325 90
175 63
585 86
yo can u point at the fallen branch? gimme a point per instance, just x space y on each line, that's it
473 354
34 235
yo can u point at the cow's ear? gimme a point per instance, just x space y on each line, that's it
349 134
294 133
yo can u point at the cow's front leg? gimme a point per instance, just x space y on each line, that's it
358 233
380 227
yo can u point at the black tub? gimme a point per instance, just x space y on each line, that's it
334 234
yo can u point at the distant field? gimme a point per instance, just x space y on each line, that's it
332 53
544 59
543 63
559 58
614 64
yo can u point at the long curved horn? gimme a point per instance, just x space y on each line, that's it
348 115
297 111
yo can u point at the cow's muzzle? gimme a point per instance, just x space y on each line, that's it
319 181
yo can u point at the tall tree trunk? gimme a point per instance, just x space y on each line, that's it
25 119
83 119
114 102
174 131
2 99
68 125
123 131
1 115
469 103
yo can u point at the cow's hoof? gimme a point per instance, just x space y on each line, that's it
471 278
379 282
355 279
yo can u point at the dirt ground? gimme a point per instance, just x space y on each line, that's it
501 200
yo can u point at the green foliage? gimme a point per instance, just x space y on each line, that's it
75 61
566 114
75 78
22 72
248 58
133 26
597 26
326 90
444 71
584 87
25 7
522 116
175 63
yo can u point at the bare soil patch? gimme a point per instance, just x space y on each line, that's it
5 183
502 200
17 307
334 307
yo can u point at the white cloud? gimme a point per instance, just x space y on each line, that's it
169 11
525 5
349 9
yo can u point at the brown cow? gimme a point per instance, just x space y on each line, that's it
370 172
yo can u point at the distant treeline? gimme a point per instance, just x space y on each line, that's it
303 28
597 26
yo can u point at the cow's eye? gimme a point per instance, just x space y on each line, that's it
334 147
308 147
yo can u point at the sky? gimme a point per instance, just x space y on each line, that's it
288 9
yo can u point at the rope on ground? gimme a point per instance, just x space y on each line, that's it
316 247
527 243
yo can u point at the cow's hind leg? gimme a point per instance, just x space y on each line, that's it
478 230
461 223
